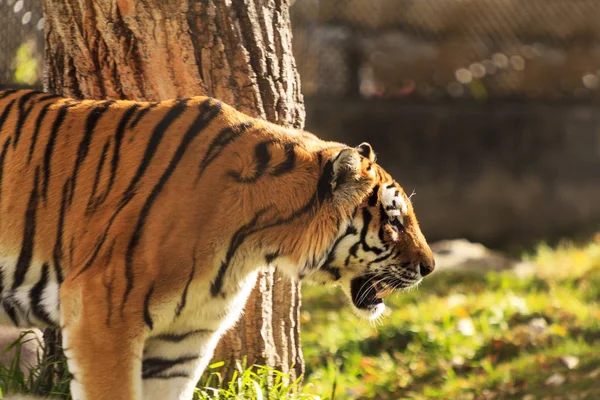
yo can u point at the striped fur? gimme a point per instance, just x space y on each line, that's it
139 228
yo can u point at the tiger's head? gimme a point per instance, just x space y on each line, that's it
380 247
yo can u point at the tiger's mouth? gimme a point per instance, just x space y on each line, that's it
367 293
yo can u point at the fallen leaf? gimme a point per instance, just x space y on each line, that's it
458 361
465 326
538 325
555 379
570 361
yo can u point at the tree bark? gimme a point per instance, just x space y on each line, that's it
238 51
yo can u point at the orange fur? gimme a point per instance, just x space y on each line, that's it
133 209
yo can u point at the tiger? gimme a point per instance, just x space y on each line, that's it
139 228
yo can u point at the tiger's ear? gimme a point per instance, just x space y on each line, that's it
365 150
343 177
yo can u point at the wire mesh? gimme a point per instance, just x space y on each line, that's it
448 48
535 49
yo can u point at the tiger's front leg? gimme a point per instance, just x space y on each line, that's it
103 347
173 363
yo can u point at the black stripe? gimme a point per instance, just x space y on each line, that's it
365 230
5 113
120 132
289 163
26 254
335 271
6 93
147 315
380 258
155 366
269 258
71 250
2 162
49 96
139 116
363 239
381 233
182 302
99 169
35 295
383 216
263 157
57 252
60 117
9 309
3 301
169 376
236 241
374 197
352 253
159 131
23 114
324 187
219 143
84 145
36 131
180 337
109 285
207 112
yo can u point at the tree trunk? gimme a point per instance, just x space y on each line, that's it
237 51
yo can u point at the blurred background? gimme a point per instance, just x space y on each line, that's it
488 111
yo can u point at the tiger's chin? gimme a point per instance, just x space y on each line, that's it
371 312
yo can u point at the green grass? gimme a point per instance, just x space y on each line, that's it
255 382
460 336
465 336
34 381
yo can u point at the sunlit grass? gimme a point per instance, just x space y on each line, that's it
491 335
255 382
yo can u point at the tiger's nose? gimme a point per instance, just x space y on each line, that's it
426 269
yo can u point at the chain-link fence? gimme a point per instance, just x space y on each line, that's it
538 49
21 43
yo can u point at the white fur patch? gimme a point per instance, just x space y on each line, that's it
394 205
50 301
372 314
